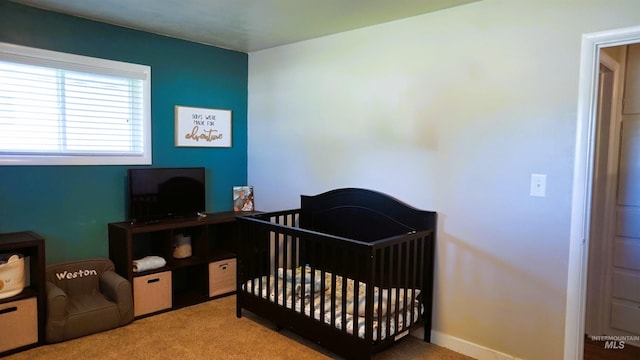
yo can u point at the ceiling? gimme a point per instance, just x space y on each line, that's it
244 25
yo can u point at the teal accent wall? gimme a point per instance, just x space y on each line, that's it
70 206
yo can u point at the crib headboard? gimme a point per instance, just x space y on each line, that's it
362 214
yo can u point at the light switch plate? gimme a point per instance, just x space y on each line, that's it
538 185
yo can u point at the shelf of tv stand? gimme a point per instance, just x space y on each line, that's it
213 238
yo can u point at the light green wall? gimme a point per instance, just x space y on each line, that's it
450 111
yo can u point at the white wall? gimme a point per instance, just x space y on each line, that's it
450 111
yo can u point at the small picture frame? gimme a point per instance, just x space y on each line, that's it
243 198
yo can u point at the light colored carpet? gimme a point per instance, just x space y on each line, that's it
210 331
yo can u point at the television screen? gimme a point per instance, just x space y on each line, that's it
159 193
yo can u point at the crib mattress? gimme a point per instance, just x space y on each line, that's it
289 286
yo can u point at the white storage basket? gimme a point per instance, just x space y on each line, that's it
11 275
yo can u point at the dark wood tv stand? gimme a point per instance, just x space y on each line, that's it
208 273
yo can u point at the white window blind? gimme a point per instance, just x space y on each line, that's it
63 109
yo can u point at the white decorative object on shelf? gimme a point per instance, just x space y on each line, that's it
148 263
11 275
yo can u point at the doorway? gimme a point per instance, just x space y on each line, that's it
583 184
613 276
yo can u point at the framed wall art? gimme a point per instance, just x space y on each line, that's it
202 127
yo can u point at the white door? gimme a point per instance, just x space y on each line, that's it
625 249
614 261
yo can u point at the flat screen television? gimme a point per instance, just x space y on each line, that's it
160 193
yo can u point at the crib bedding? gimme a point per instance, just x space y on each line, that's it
296 292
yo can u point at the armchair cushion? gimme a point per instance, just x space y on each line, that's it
85 297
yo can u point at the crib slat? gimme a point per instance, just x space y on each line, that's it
378 271
351 256
411 268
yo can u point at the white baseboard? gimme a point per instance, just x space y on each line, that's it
464 347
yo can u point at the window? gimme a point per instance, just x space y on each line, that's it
63 109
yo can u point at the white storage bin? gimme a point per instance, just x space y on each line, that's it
19 323
222 277
151 293
11 275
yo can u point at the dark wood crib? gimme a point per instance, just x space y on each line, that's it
351 270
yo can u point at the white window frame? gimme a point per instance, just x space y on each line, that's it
58 60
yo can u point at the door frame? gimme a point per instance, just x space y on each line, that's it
583 182
606 161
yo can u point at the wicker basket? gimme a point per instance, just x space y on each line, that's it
182 246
